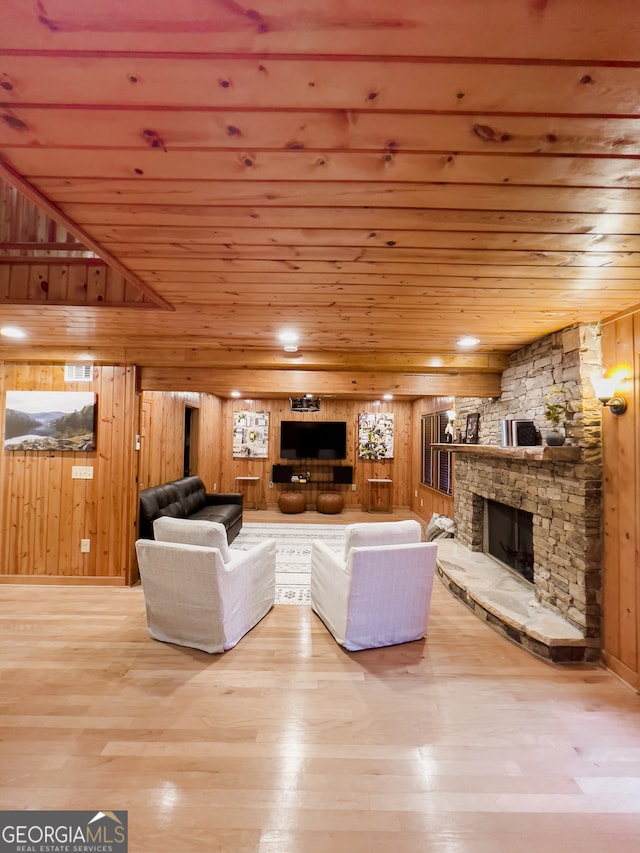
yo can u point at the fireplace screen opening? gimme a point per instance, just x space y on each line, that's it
508 537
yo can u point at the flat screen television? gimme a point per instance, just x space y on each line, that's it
313 440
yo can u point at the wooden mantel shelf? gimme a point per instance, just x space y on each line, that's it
539 453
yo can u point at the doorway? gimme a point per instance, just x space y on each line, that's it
190 458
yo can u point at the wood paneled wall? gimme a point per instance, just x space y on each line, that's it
397 469
427 501
45 513
621 493
162 437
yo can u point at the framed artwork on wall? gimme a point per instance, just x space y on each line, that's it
50 420
375 435
473 428
250 435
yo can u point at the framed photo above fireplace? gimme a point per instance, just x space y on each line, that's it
473 428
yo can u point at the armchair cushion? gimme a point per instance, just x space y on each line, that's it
381 533
208 534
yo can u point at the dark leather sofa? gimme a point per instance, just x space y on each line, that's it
188 498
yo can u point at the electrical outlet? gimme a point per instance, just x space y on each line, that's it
81 472
353 487
85 546
270 485
415 494
421 502
215 487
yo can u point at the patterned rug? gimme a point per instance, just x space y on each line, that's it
293 553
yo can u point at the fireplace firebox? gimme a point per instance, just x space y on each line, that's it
508 537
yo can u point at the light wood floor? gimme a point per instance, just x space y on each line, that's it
462 743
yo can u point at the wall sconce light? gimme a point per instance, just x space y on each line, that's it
605 389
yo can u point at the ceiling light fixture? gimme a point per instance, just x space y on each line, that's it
291 348
468 341
387 396
235 394
12 332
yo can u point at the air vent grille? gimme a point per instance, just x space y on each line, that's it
78 373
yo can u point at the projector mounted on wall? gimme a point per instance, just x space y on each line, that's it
305 404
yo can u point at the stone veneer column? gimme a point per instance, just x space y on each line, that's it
564 498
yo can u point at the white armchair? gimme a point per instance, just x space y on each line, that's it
202 596
376 594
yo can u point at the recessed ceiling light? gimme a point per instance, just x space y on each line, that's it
468 341
12 332
387 396
291 348
235 393
288 337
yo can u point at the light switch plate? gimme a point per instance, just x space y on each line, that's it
81 472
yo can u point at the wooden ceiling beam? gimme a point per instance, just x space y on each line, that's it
239 194
328 82
381 167
103 216
296 382
154 355
494 28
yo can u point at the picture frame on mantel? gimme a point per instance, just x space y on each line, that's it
473 428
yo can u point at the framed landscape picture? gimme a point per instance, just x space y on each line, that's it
50 420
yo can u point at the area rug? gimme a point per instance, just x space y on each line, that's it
293 553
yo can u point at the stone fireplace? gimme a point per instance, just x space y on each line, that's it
565 526
560 487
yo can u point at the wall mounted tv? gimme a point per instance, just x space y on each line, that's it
313 440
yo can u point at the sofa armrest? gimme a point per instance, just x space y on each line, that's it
218 498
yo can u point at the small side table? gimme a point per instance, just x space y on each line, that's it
252 484
377 482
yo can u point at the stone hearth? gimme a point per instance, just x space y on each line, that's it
508 603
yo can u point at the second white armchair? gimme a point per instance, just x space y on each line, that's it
375 595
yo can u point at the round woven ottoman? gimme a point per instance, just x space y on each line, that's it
330 503
292 502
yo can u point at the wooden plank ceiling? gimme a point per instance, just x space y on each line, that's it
381 177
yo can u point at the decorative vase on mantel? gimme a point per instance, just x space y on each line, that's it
554 411
554 438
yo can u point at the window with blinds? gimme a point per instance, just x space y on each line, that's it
437 468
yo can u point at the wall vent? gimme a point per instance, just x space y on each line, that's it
78 373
